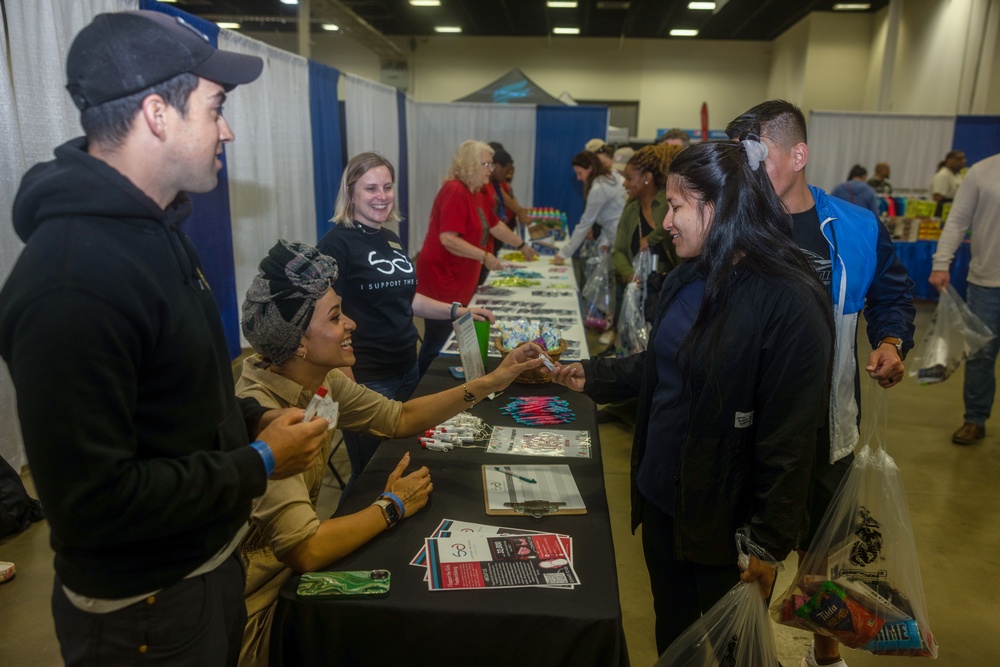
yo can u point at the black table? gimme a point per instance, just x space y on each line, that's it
415 626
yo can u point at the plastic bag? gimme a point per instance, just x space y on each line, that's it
860 581
736 631
632 333
597 292
954 335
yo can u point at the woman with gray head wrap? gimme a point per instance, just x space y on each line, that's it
282 297
293 318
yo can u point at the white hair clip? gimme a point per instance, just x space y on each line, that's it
756 152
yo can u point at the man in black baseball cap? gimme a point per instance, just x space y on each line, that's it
120 54
140 452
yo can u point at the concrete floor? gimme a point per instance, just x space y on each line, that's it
952 492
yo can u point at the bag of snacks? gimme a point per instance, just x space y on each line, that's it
860 581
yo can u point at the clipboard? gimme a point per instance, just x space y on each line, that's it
508 491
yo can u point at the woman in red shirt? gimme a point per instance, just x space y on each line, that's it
460 240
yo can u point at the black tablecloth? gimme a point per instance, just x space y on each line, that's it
415 626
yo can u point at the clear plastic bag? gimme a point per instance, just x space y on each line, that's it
954 335
632 333
597 292
736 631
860 581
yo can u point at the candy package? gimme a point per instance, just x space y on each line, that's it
860 581
736 631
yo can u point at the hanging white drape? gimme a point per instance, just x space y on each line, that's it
435 132
371 119
911 144
270 162
36 115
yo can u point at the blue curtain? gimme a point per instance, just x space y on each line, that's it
977 136
210 224
328 160
917 257
403 173
560 133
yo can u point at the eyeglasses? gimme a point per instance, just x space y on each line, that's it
488 165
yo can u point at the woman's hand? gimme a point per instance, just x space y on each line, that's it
571 376
520 359
412 489
530 254
492 262
761 572
643 244
558 260
479 314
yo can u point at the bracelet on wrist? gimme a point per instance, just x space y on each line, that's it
469 397
520 246
455 305
265 454
396 501
485 255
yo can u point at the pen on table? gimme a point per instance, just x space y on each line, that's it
507 472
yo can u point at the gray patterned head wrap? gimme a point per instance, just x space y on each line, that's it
281 298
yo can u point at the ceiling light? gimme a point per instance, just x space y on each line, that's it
330 27
228 25
425 3
566 31
679 32
851 6
701 5
613 5
557 4
447 28
168 2
289 2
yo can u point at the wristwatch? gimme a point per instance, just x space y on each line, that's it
455 305
389 511
898 342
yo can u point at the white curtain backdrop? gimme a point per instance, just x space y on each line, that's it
371 117
36 115
270 162
911 144
434 133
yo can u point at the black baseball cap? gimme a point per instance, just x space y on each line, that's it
122 53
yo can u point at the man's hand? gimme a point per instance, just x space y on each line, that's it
885 365
294 443
940 280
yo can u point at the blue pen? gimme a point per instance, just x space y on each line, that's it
509 473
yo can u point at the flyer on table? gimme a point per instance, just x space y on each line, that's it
475 561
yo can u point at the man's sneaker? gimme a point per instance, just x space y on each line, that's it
968 434
810 659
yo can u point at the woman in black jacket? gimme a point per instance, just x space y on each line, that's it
732 390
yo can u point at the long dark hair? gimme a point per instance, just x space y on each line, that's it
589 159
750 229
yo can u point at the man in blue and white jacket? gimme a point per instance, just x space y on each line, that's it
855 259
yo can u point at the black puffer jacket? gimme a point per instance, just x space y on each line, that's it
124 385
759 398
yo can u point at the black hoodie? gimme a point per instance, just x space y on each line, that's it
124 385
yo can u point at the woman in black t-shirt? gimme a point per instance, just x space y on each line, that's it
378 283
